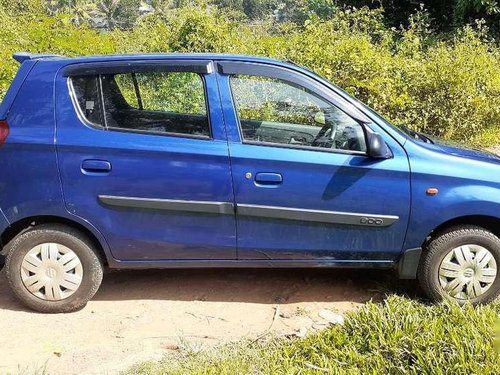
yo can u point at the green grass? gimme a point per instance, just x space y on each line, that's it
397 336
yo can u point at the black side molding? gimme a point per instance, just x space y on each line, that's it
266 212
221 208
408 264
329 217
131 66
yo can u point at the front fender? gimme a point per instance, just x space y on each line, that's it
468 185
451 203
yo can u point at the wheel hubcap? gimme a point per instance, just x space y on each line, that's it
467 272
51 271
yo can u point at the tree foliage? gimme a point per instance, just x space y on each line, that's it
443 84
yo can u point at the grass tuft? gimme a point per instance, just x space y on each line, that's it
396 336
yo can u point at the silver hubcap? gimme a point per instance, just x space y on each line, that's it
51 271
467 272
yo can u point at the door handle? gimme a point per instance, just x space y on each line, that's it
266 178
96 166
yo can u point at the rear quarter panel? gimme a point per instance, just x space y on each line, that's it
29 179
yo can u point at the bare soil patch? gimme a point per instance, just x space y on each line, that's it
141 315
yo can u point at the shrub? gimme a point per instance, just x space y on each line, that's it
398 336
448 86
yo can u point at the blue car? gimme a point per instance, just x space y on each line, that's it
210 160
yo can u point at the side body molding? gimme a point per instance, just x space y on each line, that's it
319 216
271 212
223 208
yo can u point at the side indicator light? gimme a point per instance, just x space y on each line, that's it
432 192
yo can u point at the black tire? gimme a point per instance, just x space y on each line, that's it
66 236
441 245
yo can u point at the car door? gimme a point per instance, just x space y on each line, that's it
143 157
305 188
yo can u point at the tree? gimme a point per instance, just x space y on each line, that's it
118 13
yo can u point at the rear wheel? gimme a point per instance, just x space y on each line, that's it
462 264
53 268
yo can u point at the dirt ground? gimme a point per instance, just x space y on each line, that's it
141 315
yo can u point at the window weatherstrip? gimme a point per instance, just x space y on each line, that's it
137 91
138 66
103 107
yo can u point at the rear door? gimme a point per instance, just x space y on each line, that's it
143 157
305 188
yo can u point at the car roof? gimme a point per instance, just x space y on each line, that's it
61 61
22 56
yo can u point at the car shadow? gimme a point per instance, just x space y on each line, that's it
264 286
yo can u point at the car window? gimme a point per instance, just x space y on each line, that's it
156 102
86 90
280 112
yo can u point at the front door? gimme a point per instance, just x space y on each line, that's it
143 157
305 188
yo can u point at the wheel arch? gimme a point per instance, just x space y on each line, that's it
23 224
410 259
490 223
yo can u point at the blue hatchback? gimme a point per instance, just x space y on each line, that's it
206 160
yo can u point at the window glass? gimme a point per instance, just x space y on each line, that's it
125 84
87 95
157 102
276 111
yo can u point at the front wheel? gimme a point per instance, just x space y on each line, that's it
53 269
461 264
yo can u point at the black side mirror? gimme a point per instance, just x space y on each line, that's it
377 148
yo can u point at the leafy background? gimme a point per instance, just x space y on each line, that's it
434 68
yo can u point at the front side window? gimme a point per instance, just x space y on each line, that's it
156 102
279 112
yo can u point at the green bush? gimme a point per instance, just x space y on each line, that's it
447 86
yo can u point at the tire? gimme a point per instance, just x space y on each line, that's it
61 295
456 257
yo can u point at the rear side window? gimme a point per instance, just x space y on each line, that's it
156 102
86 91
